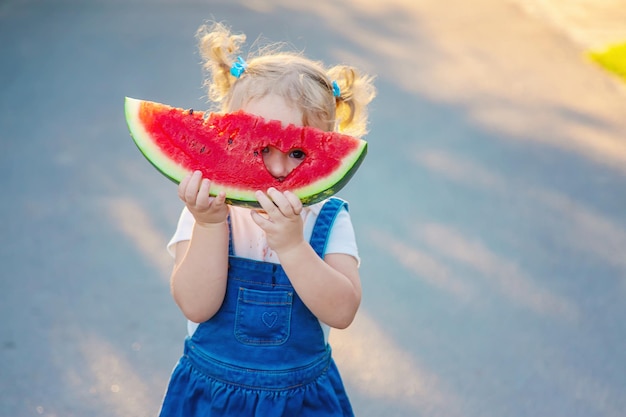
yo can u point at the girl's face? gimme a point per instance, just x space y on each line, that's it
273 107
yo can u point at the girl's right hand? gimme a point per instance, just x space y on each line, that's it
193 190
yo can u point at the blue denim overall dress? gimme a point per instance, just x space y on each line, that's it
263 353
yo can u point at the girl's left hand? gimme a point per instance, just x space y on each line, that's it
283 223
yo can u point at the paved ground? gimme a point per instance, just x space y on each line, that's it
490 211
588 23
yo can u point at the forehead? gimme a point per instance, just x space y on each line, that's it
274 107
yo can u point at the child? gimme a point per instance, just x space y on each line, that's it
266 285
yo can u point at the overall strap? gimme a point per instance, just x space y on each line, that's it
230 238
323 224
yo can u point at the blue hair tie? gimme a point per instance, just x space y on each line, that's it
336 89
238 67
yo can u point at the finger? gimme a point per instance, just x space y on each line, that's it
266 203
220 199
202 198
259 219
295 202
191 192
280 201
183 186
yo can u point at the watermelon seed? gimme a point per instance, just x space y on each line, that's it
190 111
230 141
256 153
202 149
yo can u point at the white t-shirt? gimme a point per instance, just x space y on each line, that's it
249 240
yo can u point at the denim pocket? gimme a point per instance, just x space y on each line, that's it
263 317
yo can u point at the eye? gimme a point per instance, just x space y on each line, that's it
297 154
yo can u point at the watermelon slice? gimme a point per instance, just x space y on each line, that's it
227 149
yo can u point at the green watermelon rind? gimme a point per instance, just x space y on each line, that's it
308 195
162 162
315 192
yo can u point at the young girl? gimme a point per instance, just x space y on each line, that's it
266 285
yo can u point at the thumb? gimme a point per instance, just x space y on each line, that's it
259 219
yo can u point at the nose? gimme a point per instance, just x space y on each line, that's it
276 162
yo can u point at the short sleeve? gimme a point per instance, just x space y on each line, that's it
342 238
183 231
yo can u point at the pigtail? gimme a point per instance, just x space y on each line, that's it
218 49
356 91
289 75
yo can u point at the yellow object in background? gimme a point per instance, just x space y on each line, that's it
613 59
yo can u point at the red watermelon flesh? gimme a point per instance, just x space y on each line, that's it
227 148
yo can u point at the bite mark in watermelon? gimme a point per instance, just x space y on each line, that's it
227 149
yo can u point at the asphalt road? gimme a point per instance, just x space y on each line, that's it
490 210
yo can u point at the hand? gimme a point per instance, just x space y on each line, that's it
194 191
283 224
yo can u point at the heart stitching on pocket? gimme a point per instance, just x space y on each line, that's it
269 319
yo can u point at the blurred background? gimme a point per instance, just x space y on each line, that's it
490 211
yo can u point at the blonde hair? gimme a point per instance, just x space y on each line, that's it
300 81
